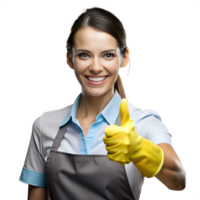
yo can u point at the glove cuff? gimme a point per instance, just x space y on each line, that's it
147 157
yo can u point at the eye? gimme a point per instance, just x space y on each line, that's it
112 55
80 55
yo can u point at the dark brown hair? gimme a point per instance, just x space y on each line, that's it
103 20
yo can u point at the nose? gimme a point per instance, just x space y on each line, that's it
96 67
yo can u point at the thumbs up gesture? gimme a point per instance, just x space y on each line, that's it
124 145
121 140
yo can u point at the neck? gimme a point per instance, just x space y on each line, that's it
90 106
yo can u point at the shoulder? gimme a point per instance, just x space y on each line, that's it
148 118
52 118
139 115
133 111
150 124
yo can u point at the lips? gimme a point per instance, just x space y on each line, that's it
95 76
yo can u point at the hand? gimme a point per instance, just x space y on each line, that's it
119 139
124 145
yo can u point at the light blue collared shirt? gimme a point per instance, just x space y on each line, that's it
108 115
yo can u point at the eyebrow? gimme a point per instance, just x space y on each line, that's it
101 52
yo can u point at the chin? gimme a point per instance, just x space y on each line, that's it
95 92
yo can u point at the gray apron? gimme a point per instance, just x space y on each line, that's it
84 177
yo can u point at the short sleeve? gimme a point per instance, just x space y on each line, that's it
33 170
150 126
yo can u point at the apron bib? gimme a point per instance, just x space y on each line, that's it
84 177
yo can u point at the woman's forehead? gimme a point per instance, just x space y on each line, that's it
93 39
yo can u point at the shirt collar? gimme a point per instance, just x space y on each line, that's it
110 112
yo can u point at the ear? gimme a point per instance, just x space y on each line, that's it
69 60
125 58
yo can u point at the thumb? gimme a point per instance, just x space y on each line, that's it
124 112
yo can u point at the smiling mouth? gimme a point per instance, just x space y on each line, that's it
96 76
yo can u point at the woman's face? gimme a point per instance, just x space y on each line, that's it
90 61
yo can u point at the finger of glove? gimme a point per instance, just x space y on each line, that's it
124 112
118 157
115 135
118 147
111 130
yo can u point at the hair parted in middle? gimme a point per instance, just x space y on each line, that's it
103 20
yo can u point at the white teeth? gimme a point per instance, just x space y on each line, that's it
96 79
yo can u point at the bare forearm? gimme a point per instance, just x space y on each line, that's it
172 173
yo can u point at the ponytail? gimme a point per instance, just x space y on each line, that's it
119 87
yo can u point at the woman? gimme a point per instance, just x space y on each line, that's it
102 146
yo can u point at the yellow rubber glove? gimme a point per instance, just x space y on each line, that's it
124 145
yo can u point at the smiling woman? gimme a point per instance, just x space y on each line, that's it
98 90
104 22
93 48
101 146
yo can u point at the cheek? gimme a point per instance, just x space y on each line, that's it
81 66
111 66
79 70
